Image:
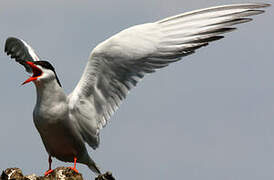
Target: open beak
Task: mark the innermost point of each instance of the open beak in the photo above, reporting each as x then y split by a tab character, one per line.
35	70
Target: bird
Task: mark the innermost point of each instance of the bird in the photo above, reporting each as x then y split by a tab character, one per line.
66	123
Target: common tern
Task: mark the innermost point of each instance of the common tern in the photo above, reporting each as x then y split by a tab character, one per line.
115	66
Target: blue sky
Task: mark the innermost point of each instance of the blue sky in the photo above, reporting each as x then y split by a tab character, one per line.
207	117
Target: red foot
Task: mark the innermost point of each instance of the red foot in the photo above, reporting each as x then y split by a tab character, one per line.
48	172
74	169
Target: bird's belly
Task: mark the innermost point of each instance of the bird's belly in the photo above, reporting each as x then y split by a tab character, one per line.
60	142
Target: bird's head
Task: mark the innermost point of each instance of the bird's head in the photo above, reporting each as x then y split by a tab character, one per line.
42	71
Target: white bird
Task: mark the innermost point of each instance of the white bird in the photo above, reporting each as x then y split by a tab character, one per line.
115	66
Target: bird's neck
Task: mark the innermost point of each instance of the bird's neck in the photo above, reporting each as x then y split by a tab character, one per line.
49	93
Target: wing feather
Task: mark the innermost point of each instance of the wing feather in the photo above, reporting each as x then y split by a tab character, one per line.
116	65
20	51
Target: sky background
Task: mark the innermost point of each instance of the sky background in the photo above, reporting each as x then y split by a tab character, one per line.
209	117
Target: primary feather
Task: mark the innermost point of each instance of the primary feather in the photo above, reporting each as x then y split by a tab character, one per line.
21	52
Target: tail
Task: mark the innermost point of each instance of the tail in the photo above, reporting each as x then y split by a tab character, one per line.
86	159
92	166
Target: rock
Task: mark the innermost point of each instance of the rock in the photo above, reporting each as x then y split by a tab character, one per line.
60	173
12	173
30	177
64	173
106	176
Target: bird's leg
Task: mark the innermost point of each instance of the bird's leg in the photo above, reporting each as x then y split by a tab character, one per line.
50	170
74	168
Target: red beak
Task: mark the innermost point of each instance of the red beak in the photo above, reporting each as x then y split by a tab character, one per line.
36	72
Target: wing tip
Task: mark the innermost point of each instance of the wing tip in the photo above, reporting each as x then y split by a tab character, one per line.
9	42
255	5
247	6
264	5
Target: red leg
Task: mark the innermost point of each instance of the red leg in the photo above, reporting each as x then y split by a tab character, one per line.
74	168
50	170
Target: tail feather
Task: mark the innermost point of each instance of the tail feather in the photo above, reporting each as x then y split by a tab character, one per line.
86	159
93	166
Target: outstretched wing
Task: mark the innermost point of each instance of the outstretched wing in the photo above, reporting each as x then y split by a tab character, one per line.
119	63
20	51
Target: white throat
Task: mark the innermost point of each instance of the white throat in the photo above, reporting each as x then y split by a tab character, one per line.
49	93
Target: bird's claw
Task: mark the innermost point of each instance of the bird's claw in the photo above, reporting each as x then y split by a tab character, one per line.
74	169
48	172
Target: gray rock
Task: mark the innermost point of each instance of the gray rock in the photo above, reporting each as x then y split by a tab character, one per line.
60	173
106	176
12	174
